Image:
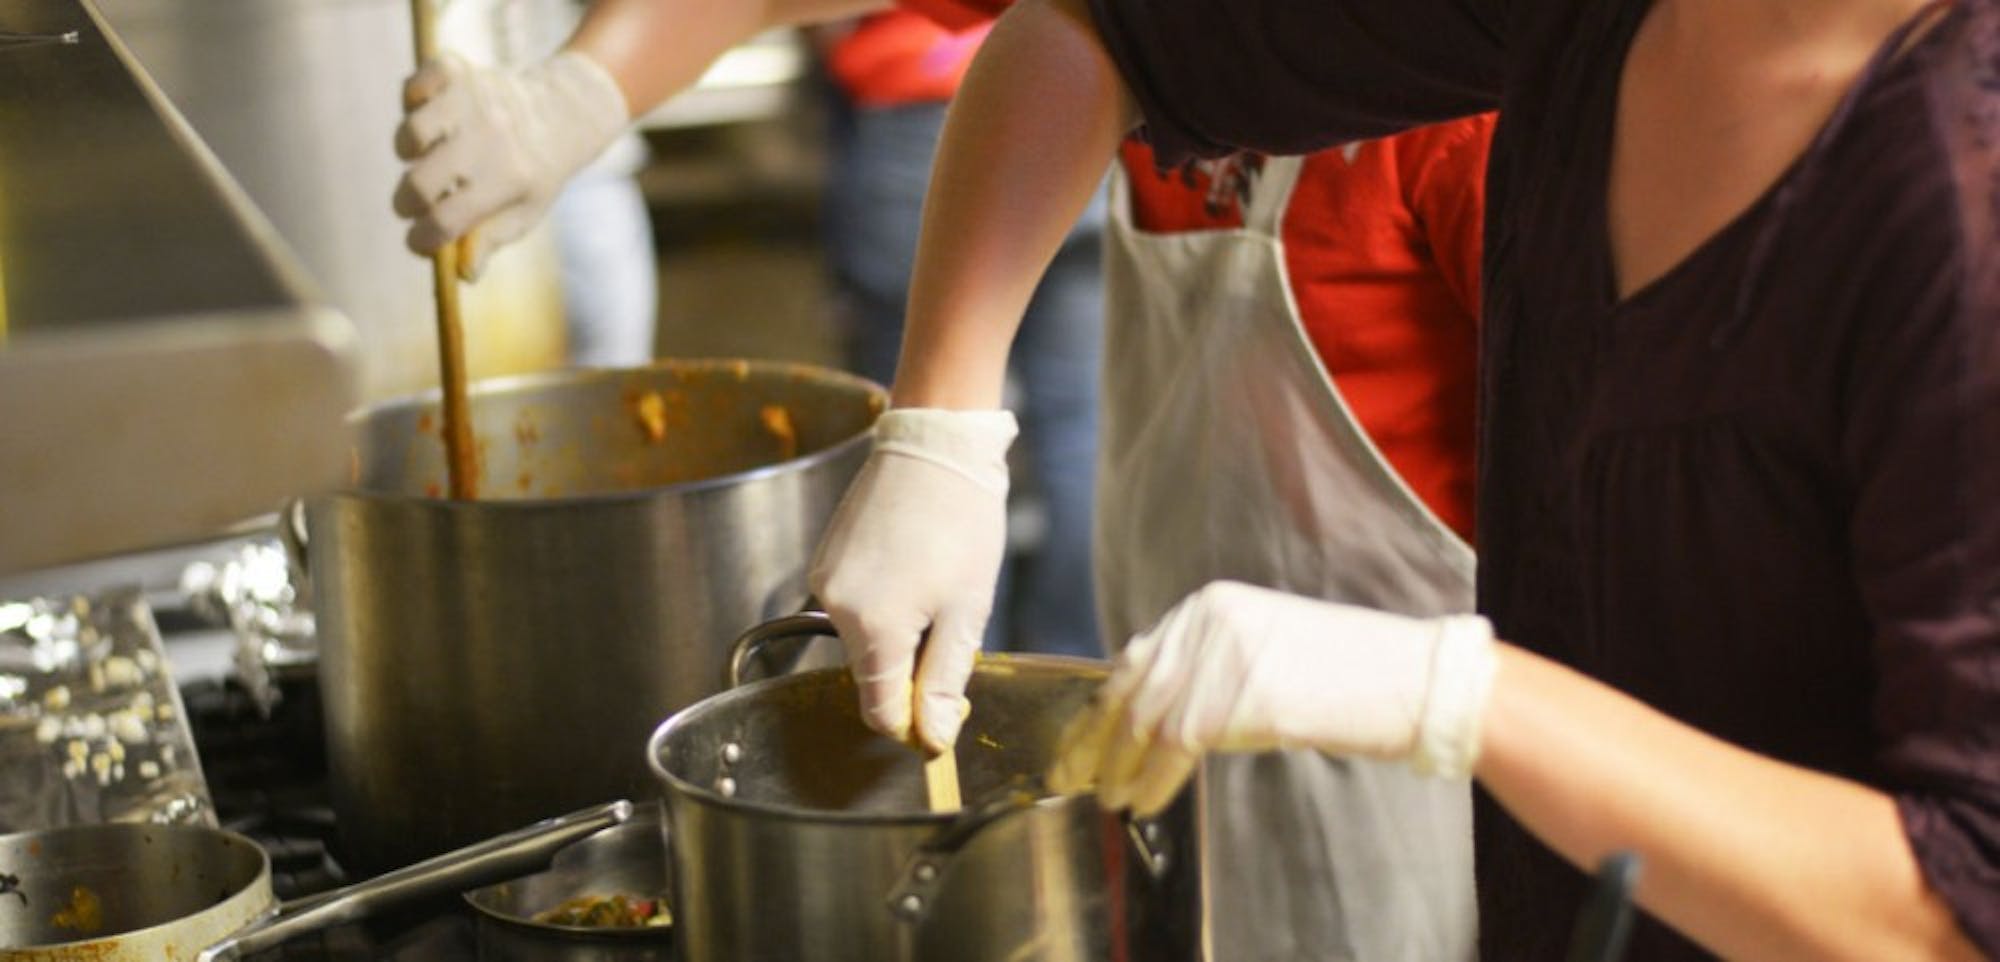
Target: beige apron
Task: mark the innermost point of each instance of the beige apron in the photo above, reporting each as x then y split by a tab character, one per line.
1226	452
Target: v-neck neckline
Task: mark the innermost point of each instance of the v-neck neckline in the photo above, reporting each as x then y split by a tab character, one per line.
1604	275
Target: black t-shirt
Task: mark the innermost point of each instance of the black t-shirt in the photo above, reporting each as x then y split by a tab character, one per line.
1761	494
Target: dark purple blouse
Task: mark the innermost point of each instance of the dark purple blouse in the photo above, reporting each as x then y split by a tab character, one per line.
1763	493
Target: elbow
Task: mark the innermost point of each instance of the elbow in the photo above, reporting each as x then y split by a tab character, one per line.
1933	935
1948	945
1923	931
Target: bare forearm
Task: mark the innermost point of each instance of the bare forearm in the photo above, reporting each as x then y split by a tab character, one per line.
657	48
1754	858
1027	142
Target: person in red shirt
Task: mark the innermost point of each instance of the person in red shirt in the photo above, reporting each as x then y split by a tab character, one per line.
1382	254
897	57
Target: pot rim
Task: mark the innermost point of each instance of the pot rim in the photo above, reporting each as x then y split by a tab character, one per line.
676	785
518	382
247	892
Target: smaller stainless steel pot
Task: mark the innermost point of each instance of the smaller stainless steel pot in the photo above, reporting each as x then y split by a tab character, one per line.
625	860
146	893
796	833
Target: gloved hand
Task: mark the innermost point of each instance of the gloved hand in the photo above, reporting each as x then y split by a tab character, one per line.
1244	669
915	546
490	148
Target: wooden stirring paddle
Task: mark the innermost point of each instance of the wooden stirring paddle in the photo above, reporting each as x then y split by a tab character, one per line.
941	769
461	462
941	782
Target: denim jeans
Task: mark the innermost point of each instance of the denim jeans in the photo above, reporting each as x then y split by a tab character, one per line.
604	241
881	161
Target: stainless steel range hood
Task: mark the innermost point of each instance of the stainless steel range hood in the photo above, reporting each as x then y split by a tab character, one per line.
165	369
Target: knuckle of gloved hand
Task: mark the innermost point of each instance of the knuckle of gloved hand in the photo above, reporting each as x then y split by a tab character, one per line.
822	575
407	201
968	630
883	658
941	714
844	584
876	662
1174	731
881	621
1224	608
1224	595
449	222
885	713
515	172
408	146
422	236
494	115
422	87
839	603
885	708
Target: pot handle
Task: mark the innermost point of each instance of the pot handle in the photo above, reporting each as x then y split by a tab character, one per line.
923	875
497	859
805	624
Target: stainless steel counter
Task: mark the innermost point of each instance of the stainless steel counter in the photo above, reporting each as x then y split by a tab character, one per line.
165	369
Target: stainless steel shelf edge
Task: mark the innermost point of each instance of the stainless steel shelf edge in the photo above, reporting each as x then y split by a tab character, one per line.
166	368
171	433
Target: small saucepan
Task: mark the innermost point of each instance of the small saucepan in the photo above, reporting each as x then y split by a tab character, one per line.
798	833
546	917
146	893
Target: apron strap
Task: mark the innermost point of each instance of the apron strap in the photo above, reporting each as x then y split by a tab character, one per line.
1271	195
1118	194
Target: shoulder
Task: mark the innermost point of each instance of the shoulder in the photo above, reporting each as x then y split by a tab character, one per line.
1909	167
1960	72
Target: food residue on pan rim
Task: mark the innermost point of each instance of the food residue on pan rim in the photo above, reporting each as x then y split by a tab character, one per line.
651	411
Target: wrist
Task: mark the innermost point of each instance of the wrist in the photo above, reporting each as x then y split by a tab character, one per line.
972	444
1464	661
914	390
587	93
952	360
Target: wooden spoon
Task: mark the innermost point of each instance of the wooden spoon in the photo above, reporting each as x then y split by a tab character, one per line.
461	462
941	782
941	769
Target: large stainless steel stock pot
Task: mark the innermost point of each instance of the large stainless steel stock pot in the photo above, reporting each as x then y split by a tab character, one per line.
489	662
796	833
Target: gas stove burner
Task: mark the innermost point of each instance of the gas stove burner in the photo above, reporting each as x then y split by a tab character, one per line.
266	768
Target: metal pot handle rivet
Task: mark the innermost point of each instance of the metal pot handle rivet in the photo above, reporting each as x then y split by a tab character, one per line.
911	900
1151	845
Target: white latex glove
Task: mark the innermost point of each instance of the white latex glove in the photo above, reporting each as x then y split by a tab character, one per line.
490	148
915	546
1238	668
